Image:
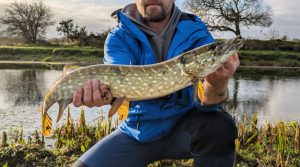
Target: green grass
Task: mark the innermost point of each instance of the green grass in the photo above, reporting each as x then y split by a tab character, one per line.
89	55
269	145
51	54
276	45
272	54
269	58
44	49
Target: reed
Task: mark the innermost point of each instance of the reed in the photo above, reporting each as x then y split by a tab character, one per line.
4	139
268	145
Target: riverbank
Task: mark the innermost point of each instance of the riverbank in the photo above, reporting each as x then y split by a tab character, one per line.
10	64
269	58
257	71
269	145
89	55
82	55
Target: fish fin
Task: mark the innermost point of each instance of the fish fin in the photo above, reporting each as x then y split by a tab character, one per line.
123	110
200	90
115	106
63	104
47	126
195	88
69	68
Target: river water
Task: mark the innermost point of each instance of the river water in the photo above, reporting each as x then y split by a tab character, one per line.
273	95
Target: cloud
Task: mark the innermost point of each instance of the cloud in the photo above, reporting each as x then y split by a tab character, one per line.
281	7
95	15
285	21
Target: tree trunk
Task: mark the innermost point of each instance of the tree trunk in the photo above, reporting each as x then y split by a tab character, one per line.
237	29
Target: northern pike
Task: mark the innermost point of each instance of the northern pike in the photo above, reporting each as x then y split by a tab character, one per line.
141	82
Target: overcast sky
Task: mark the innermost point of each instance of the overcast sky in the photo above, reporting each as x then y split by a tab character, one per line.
95	15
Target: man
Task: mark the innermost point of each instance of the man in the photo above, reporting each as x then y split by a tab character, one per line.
171	127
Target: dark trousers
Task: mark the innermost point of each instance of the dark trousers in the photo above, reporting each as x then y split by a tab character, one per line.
207	137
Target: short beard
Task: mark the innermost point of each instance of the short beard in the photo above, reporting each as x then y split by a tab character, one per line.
158	17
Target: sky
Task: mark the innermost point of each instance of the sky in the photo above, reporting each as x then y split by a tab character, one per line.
95	15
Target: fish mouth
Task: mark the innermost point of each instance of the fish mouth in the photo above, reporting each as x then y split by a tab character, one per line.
225	47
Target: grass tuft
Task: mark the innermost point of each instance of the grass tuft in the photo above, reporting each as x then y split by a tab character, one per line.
268	145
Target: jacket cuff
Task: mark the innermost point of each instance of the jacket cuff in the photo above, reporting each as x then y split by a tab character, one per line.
206	108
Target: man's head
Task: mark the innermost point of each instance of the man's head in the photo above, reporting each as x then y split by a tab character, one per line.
154	10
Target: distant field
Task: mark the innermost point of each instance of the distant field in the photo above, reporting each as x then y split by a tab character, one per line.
51	54
269	58
89	55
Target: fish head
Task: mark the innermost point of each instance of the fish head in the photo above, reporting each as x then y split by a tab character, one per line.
61	93
49	99
52	96
202	61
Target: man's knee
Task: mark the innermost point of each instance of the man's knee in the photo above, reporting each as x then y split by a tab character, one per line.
79	163
212	133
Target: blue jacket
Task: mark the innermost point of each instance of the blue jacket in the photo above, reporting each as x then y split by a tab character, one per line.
150	120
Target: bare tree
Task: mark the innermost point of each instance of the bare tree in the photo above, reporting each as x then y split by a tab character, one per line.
29	20
229	15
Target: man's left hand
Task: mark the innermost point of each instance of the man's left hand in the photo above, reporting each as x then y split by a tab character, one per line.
216	84
222	75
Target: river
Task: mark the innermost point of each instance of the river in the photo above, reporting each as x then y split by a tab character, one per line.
273	95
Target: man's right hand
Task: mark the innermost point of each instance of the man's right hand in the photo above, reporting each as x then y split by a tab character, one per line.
92	94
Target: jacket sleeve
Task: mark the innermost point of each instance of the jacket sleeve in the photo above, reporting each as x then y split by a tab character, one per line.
203	40
206	108
117	50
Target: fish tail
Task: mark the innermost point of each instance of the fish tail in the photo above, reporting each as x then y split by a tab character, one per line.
46	123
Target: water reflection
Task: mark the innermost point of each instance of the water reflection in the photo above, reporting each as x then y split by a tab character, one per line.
21	93
273	97
26	92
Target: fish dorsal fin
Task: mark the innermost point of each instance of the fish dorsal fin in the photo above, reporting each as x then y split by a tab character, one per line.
69	68
121	105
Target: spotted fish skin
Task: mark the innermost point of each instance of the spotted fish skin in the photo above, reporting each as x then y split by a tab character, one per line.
141	82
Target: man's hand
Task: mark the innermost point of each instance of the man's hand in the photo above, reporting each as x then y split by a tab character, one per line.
216	84
92	94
